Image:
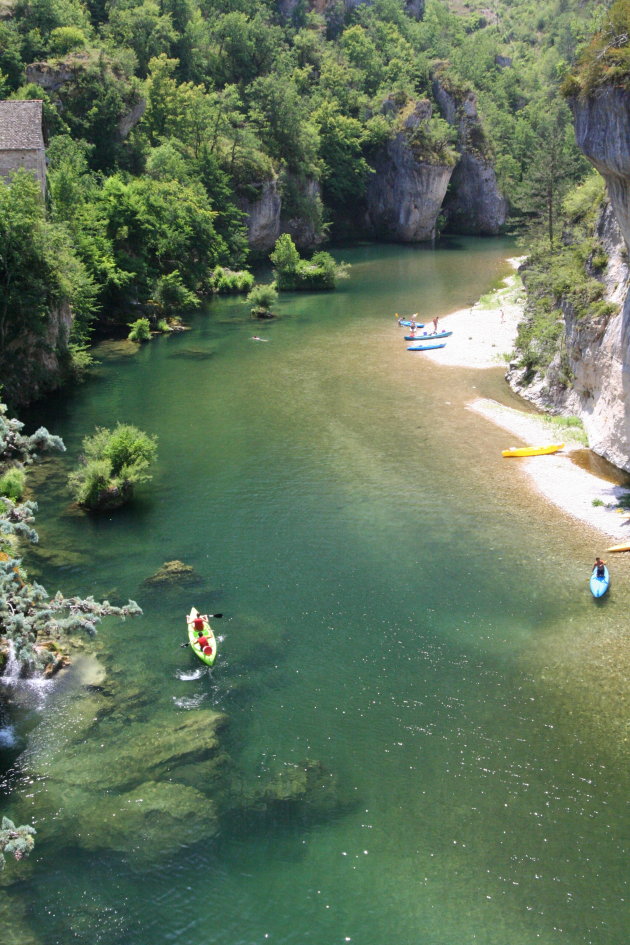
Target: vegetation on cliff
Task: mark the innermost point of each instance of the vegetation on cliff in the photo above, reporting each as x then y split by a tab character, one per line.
606	58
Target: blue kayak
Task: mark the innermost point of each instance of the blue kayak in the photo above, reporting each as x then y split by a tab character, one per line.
423	347
428	336
599	585
407	323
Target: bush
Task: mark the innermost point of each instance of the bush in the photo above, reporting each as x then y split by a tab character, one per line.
171	295
13	483
114	462
65	39
140	330
261	298
229	281
296	274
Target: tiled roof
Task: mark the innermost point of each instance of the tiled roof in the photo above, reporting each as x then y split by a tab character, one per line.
21	125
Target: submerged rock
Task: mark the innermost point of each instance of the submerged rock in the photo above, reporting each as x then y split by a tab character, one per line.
306	789
151	821
174	572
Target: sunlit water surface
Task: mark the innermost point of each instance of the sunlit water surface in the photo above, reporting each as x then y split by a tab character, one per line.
345	511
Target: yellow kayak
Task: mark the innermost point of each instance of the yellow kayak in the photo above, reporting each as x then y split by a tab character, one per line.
532	450
625	547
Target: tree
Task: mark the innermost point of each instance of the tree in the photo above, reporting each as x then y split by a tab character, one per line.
113	462
38	271
261	298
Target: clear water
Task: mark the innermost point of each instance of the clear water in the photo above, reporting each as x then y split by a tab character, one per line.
398	605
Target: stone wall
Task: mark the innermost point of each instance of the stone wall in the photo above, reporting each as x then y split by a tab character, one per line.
34	161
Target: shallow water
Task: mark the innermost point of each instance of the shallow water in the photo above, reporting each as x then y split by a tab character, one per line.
397	603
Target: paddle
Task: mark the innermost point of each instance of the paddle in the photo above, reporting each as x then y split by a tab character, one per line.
216	616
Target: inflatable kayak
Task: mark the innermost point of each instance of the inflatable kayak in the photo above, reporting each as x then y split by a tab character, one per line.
207	658
599	585
532	450
425	347
407	323
428	336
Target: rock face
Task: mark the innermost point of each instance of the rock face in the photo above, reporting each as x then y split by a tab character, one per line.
414	8
598	351
263	216
602	131
405	194
41	358
474	203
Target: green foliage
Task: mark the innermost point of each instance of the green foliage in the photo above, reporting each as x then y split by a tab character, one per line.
140	330
113	462
13	483
297	274
38	271
228	282
606	58
15	841
171	295
261	298
65	39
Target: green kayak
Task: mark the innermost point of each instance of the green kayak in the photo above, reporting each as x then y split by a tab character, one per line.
206	657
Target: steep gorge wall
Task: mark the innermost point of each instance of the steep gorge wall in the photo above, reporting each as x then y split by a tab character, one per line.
597	350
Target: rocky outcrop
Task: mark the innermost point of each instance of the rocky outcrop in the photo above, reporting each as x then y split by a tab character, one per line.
304	224
595	352
33	364
474	203
262	207
598	350
602	131
405	194
173	573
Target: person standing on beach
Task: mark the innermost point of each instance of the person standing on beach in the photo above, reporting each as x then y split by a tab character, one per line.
435	323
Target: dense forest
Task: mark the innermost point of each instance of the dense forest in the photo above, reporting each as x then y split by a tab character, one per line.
164	122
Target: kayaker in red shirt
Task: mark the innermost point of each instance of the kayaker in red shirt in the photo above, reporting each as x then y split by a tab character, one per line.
198	622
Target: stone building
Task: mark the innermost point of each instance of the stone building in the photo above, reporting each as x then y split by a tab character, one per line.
22	139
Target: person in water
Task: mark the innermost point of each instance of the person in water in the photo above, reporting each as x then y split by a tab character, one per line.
599	567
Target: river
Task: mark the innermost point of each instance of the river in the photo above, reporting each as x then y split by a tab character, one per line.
399	607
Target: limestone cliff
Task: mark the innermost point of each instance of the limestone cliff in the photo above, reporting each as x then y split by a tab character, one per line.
42	358
473	203
596	349
405	194
262	207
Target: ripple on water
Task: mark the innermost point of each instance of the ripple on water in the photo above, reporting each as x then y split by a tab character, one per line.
186	675
190	702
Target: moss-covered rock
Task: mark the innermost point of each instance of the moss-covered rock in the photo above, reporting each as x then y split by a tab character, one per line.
173	573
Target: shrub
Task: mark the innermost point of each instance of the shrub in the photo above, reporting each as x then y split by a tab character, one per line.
140	330
65	39
171	295
297	274
114	462
261	298
13	483
229	281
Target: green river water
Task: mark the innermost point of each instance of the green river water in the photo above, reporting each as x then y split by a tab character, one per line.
399	606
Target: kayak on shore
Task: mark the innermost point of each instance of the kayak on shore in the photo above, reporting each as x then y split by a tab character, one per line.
532	450
428	336
425	347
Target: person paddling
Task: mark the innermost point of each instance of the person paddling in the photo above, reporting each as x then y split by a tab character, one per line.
599	567
198	622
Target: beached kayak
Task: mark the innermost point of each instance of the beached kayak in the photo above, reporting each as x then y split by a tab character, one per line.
407	323
532	450
599	585
428	336
426	347
207	658
624	547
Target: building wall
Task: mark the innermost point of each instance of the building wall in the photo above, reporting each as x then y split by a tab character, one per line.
30	160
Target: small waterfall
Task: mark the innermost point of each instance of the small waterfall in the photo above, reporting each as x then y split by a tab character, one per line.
24	689
12	669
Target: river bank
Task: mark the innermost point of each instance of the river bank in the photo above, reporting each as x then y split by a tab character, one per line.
483	337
